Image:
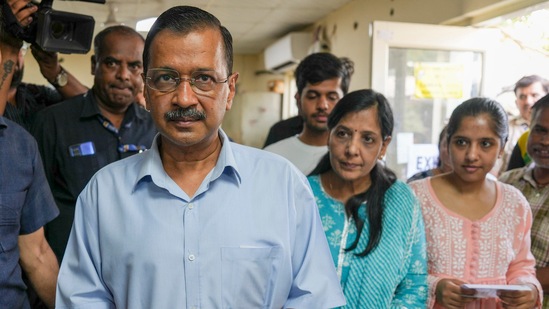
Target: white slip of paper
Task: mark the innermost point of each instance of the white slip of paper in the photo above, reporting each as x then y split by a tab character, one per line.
491	290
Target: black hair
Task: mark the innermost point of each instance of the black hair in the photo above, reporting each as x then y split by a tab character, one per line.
6	37
99	40
477	106
526	81
441	137
319	67
381	176
540	105
184	20
2	26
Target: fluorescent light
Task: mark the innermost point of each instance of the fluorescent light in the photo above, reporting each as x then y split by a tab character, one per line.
145	24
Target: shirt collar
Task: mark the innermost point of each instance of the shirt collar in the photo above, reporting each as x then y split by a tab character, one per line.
518	120
3	123
226	163
91	108
529	175
152	167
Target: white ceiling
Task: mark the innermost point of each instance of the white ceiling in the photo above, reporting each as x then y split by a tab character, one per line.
254	24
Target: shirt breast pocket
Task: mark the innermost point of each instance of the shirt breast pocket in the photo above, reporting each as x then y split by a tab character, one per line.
78	170
247	275
11	205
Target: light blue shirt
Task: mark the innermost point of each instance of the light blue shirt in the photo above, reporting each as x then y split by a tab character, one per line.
251	237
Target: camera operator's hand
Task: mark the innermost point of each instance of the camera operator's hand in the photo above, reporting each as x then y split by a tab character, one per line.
50	68
23	9
48	62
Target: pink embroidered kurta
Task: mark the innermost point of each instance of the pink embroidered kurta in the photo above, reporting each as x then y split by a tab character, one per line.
492	250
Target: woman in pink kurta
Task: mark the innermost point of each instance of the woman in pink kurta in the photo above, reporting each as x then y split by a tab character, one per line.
492	250
477	229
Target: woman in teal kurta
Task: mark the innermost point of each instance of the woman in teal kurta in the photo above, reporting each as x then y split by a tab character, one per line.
372	221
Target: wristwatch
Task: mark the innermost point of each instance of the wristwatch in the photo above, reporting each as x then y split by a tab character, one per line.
61	79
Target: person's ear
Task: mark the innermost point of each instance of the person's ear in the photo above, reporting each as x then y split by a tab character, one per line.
384	147
232	90
93	64
146	93
297	97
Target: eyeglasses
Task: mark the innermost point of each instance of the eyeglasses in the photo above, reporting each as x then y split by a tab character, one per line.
167	80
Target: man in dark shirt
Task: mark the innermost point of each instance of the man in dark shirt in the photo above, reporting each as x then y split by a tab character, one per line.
284	129
527	90
79	136
26	203
25	100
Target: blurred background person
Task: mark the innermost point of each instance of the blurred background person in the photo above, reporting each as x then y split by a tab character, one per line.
25	100
321	79
533	182
527	91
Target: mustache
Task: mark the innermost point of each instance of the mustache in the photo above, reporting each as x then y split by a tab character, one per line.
185	113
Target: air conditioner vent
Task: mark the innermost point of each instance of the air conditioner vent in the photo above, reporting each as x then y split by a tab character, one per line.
285	54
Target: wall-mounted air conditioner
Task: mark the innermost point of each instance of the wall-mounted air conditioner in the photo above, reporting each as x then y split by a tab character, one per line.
284	54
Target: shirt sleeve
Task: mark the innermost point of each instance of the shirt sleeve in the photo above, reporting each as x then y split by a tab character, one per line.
522	268
52	96
42	130
39	207
412	291
80	283
315	283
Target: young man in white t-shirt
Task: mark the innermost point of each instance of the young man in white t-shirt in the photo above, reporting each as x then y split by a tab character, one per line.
322	80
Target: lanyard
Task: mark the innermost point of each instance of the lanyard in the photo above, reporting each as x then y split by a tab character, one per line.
122	148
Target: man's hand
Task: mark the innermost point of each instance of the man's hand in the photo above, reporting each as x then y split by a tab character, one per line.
48	62
23	9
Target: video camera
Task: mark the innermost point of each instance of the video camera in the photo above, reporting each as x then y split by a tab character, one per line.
52	30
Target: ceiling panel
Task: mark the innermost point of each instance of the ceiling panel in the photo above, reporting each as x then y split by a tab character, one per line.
267	4
254	23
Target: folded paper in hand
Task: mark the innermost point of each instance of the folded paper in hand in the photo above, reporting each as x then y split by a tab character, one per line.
491	290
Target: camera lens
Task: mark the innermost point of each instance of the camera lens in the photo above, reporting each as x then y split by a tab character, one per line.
58	29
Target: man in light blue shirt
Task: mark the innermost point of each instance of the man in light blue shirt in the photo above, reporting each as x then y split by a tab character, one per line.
196	221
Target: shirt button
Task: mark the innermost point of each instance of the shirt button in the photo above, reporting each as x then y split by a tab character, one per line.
191	257
191	206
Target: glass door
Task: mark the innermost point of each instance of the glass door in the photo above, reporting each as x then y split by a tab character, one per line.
425	71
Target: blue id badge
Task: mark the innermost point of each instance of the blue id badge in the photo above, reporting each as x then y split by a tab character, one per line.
84	149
